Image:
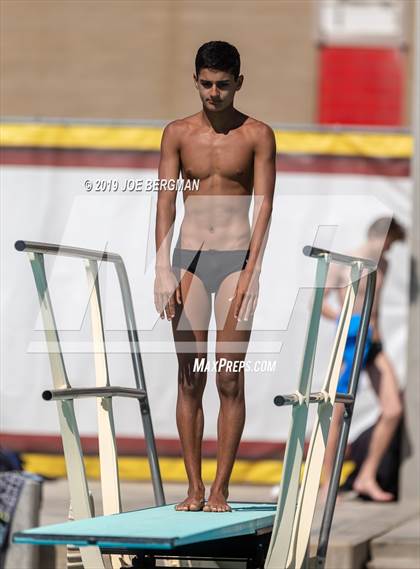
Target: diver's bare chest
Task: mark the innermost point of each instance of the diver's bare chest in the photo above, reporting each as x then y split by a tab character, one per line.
229	156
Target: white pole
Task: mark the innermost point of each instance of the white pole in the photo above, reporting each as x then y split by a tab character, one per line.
410	479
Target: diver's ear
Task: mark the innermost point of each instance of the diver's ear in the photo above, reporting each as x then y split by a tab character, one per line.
239	82
195	79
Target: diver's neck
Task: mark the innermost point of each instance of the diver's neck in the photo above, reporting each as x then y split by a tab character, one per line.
221	121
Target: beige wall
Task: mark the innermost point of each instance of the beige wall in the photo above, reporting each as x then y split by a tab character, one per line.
134	59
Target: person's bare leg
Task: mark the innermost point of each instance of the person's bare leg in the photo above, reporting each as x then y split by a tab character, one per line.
190	329
230	386
331	449
190	424
384	382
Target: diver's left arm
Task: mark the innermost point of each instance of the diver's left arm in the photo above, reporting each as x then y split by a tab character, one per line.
264	182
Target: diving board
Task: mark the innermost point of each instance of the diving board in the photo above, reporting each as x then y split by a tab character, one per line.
164	533
270	536
160	527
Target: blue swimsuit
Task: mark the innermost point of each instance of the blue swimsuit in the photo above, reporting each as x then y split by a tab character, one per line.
343	383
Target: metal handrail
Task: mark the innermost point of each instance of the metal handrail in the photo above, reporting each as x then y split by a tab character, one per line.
38	249
317	397
298	399
80	392
334	257
325	529
66	251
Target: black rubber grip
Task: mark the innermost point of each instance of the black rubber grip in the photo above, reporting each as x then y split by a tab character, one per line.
20	245
279	400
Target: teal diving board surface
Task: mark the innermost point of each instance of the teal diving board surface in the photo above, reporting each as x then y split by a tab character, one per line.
160	527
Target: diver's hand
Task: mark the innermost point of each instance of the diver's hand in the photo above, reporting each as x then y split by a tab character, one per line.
166	291
246	294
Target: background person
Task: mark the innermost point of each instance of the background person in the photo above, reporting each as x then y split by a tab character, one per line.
382	234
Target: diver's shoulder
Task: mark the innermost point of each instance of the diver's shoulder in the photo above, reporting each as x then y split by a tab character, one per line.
259	129
182	126
257	125
261	134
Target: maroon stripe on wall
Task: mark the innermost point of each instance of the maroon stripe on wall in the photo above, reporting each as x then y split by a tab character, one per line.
74	157
329	164
131	446
325	164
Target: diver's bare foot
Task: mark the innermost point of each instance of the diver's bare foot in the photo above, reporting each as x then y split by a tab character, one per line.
217	502
370	490
193	503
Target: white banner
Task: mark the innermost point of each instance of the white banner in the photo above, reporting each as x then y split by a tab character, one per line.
54	205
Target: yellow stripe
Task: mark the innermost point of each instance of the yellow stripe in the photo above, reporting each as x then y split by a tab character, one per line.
172	469
387	145
80	136
345	144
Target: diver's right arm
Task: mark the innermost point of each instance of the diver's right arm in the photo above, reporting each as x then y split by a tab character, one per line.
169	167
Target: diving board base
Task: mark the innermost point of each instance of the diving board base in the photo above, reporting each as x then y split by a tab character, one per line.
249	549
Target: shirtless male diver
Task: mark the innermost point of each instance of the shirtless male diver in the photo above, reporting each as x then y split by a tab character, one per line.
381	236
233	157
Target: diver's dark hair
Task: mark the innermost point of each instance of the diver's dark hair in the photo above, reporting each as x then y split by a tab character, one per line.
218	55
385	226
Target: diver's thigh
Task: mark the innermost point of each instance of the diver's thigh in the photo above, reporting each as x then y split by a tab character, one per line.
192	317
232	336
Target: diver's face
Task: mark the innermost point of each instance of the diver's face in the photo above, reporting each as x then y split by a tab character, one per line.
217	88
